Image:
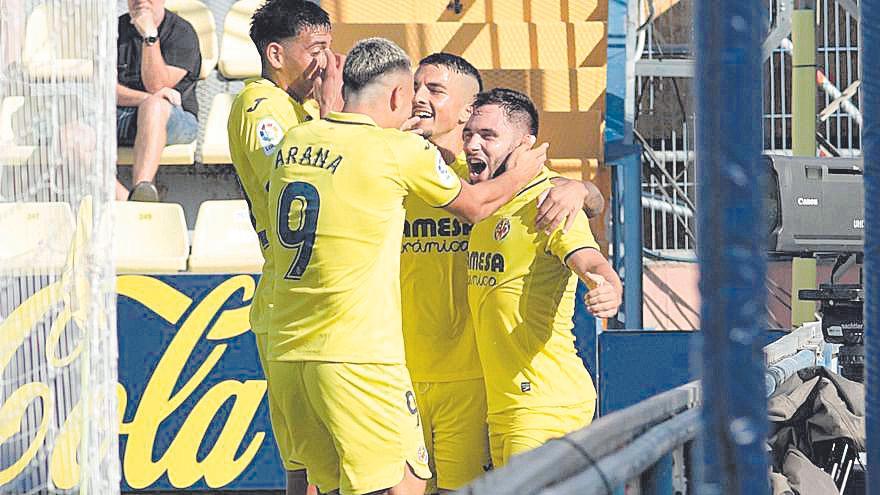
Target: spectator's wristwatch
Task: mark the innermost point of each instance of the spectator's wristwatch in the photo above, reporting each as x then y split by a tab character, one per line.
150	40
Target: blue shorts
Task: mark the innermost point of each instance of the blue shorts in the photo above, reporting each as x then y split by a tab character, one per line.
182	127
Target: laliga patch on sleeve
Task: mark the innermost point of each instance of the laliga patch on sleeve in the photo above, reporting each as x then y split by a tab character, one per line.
269	133
446	174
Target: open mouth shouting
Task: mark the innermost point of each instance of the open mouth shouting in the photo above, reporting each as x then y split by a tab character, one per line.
478	169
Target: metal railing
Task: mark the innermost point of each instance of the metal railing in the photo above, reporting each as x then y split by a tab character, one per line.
647	447
603	456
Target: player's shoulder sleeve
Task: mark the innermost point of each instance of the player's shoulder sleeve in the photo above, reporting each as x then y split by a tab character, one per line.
563	244
422	170
259	118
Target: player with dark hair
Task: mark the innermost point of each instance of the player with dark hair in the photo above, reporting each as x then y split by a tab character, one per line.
521	292
301	80
336	194
293	38
441	353
438	334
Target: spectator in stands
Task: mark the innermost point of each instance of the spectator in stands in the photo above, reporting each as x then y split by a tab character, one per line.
157	68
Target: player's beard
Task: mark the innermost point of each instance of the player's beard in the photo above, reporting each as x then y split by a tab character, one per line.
503	167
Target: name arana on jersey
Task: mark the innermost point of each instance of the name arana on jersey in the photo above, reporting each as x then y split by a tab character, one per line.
320	158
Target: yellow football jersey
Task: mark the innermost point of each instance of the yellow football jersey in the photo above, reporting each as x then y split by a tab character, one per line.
261	113
336	215
437	330
521	296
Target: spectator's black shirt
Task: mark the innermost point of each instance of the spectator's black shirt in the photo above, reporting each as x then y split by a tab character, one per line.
180	48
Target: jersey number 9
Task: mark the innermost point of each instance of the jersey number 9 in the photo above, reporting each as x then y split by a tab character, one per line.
297	222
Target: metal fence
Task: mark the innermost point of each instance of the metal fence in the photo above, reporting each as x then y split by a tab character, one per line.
665	116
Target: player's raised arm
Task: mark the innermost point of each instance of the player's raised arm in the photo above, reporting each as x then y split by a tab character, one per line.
478	201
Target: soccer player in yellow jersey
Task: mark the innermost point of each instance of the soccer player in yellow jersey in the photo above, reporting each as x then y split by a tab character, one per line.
441	353
336	223
299	75
521	290
438	335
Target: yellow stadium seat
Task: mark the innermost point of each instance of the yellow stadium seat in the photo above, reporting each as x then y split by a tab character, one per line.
472	11
176	154
590	40
55	46
571	134
554	90
149	237
10	152
215	147
202	20
239	58
346	36
359	11
505	45
224	240
420	39
40	237
569	11
575	168
422	11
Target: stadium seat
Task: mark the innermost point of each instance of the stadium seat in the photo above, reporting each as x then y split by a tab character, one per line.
202	21
508	45
149	237
402	11
176	154
472	11
554	90
11	153
572	134
49	228
575	168
54	46
239	58
215	147
224	240
572	11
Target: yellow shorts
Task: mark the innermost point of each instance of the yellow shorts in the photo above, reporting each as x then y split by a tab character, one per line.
522	430
354	426
456	434
279	426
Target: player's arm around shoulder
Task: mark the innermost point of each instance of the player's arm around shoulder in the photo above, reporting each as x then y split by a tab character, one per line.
580	252
421	169
560	203
478	201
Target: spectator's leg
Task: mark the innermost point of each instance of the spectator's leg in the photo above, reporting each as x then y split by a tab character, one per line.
121	191
152	118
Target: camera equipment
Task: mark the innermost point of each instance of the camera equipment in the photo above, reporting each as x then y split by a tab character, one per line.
842	319
814	204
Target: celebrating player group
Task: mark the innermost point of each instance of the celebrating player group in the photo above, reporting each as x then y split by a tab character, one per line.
414	314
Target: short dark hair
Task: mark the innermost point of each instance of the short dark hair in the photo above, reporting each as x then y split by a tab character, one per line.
516	106
454	63
280	19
